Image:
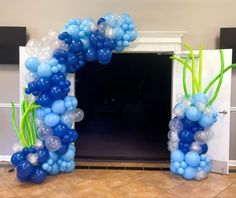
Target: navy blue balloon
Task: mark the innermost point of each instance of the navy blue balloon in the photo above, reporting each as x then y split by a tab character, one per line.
91	55
184	147
56	92
186	136
44	83
58	78
204	148
62	150
22	178
24	168
45	100
101	20
66	139
188	124
26	151
61	55
32	86
17	157
75	46
63	36
38	176
60	130
42	156
73	135
72	59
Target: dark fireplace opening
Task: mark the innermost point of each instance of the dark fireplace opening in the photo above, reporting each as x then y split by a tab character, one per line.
127	106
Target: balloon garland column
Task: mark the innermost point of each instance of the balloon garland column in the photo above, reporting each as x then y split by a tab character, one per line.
190	129
48	112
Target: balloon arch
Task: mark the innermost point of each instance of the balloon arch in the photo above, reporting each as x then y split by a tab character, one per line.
47	112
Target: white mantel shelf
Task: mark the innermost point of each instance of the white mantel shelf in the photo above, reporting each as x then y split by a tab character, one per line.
157	41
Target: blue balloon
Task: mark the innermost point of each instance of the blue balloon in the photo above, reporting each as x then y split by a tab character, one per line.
68	156
42	156
186	136
22	178
55	169
58	77
62	150
71	167
66	139
32	64
173	169
60	130
188	124
38	176
52	119
73	135
177	156
45	100
192	159
44	83
58	107
204	148
24	168
104	54
189	173
91	55
206	121
53	156
56	92
193	114
184	147
16	158
180	171
73	30
44	70
75	46
199	98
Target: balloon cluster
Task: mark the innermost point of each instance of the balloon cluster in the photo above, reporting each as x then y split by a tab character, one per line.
28	162
188	136
48	63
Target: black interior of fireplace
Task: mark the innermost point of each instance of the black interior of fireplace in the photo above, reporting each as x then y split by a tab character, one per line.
127	106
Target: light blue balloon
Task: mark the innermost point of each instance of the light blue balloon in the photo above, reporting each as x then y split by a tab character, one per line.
45	166
62	169
192	159
118	33
207	169
44	70
53	62
55	169
183	164
73	30
203	157
206	121
193	113
180	171
199	98
189	173
71	167
32	64
63	164
176	165
53	156
50	162
67	121
177	156
173	169
58	107
52	119
72	147
68	156
59	161
202	164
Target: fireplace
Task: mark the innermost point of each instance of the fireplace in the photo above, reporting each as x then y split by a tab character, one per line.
127	103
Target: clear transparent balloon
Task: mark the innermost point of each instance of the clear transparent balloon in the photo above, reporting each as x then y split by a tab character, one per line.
53	143
203	136
176	123
44	132
196	147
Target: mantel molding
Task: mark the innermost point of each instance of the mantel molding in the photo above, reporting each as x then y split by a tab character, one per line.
157	41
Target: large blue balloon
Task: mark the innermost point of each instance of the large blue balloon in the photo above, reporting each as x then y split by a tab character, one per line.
192	159
184	147
189	173
17	157
58	107
32	64
24	168
177	156
193	113
60	130
38	176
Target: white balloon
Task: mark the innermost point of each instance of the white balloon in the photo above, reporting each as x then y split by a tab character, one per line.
53	143
196	147
176	123
17	147
78	115
30	76
203	136
173	135
44	132
38	144
33	158
200	175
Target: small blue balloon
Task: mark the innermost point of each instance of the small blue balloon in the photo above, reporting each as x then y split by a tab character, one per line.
192	159
177	156
60	130
180	171
199	98
44	83
91	55
68	156
53	156
184	147
204	148
58	107
32	64
54	170
52	119
62	150
42	156
22	178
188	124
45	100
56	92
38	176
71	167
186	136
173	169
189	173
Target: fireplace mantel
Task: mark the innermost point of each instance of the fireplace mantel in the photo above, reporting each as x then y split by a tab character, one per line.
157	41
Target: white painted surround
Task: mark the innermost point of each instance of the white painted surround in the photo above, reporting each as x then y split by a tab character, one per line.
147	41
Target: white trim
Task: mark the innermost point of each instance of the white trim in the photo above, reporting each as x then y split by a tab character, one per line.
232	162
7	105
6	158
233	109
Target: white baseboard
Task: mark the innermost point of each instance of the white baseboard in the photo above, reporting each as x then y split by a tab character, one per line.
232	162
6	158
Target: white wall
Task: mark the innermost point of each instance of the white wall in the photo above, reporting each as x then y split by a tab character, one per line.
201	19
